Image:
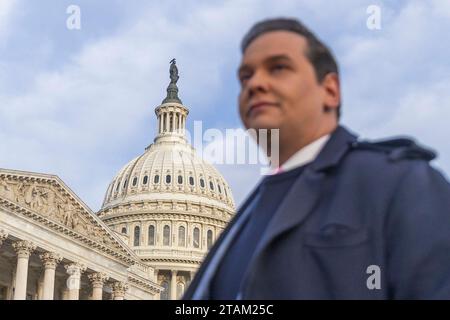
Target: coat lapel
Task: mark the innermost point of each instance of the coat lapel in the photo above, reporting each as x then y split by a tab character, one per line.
306	191
298	203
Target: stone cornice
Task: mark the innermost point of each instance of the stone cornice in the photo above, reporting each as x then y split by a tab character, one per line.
184	208
187	217
144	284
197	261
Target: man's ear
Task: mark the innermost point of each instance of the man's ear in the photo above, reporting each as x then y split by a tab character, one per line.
332	91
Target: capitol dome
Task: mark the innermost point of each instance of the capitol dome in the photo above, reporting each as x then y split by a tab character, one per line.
168	204
169	169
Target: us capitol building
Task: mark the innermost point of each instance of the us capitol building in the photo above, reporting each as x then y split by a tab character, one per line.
160	215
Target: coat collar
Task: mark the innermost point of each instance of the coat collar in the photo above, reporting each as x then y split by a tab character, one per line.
336	147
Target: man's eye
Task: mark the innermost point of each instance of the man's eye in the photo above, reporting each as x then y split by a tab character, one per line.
279	67
244	77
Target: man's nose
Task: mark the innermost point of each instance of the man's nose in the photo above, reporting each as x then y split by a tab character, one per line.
258	83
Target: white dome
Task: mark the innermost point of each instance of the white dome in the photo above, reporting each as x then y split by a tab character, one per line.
169	170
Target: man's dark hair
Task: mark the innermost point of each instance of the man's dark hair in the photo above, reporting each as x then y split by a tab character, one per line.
318	54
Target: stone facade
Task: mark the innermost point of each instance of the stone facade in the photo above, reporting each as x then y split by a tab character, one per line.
54	247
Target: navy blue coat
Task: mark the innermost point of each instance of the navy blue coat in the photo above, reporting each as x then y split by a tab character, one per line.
357	204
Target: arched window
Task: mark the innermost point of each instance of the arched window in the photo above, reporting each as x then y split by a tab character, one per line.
151	235
180	179
137	236
202	183
225	190
196	238
168	178
156	179
125	183
124	230
135	179
165	294
118	186
209	239
220	189
180	290
145	180
166	236
181	236
211	185
191	181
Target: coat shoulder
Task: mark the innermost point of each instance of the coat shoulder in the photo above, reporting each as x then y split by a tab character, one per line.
395	150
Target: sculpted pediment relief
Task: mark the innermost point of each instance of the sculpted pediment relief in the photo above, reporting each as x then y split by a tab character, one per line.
51	199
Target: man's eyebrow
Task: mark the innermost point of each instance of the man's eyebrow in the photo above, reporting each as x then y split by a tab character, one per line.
270	59
277	58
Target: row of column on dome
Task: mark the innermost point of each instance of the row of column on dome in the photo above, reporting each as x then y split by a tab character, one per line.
28	272
167	238
171	122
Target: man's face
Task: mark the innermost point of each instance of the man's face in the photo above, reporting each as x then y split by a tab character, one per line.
279	88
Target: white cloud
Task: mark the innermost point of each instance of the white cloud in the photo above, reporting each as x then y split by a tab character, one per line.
393	78
7	10
422	113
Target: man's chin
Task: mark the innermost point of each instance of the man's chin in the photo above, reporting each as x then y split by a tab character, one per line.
261	125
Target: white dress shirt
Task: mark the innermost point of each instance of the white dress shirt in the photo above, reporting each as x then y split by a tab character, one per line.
303	156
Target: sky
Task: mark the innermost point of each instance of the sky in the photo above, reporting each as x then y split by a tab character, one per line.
79	103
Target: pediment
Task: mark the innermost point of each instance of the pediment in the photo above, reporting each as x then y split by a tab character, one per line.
49	201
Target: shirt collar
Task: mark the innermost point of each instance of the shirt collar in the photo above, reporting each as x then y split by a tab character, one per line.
305	155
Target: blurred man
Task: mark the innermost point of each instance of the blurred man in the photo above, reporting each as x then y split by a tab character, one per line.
341	218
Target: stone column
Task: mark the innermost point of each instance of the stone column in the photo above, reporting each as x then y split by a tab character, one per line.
23	250
119	289
173	286
174	121
74	270
97	279
3	236
40	286
167	121
65	294
50	261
